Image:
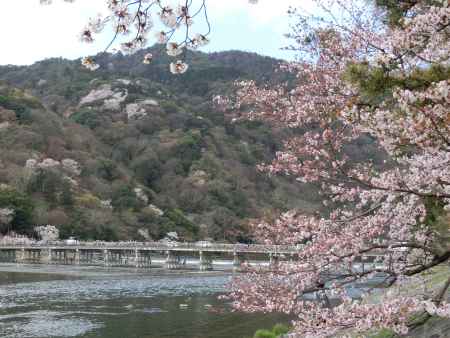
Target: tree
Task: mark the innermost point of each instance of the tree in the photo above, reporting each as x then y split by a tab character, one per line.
379	70
16	211
6	216
134	18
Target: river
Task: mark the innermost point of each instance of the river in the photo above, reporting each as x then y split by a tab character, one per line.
65	301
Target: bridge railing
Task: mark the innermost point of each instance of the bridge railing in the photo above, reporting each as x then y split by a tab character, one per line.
160	245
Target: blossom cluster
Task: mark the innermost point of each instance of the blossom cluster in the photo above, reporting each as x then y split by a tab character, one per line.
133	23
378	208
47	233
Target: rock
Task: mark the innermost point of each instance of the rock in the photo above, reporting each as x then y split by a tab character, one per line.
111	99
116	99
49	163
72	166
101	93
134	111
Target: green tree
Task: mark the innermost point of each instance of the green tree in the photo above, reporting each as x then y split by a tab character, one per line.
277	331
23	207
124	197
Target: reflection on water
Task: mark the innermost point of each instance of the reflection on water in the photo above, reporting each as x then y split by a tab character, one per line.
119	304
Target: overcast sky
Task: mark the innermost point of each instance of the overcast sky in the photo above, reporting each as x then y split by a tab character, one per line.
31	32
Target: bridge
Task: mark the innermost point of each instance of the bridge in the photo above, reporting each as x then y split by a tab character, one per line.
171	255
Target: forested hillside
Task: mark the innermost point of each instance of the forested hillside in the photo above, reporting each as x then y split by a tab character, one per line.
132	151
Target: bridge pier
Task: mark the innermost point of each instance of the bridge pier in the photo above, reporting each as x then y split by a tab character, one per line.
88	257
205	262
273	260
172	261
114	258
118	258
30	256
77	257
236	262
137	259
142	259
146	259
46	256
106	258
20	255
8	256
61	257
69	257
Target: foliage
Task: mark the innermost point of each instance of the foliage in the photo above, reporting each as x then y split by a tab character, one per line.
22	205
23	113
277	331
179	220
87	117
384	333
124	197
184	153
52	185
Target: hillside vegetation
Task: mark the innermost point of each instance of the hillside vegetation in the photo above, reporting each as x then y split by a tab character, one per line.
132	152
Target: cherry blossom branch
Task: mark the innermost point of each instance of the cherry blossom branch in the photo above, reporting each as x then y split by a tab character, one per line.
126	16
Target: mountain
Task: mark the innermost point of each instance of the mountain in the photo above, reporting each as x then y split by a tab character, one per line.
132	152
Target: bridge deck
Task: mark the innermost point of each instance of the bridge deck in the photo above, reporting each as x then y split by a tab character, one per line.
180	247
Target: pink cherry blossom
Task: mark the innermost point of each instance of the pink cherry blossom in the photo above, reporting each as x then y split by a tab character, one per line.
378	208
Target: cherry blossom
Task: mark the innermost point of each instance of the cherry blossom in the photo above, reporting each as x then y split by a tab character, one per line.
148	58
47	232
133	25
178	67
382	208
89	63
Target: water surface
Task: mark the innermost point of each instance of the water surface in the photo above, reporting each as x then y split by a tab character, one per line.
118	303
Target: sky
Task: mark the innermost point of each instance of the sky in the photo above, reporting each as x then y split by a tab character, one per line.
32	32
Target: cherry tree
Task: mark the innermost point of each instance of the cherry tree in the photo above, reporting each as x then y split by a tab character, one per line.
376	71
47	233
133	26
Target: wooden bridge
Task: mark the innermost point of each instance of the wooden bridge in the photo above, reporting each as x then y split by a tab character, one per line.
171	255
